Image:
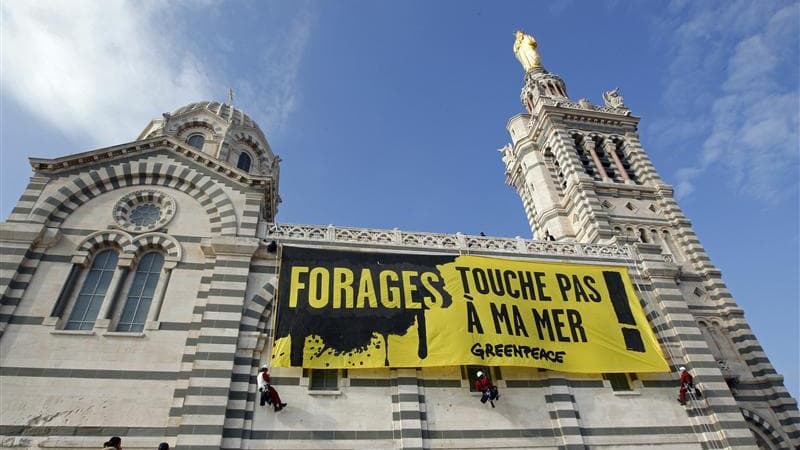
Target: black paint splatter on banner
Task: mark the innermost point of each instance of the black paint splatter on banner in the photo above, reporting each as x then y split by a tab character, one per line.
352	330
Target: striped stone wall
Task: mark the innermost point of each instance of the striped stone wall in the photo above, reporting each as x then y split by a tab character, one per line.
209	381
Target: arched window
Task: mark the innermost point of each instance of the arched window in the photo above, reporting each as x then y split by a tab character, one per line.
94	288
196	141
140	295
244	162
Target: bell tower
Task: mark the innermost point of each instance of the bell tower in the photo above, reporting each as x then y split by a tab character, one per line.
574	164
583	176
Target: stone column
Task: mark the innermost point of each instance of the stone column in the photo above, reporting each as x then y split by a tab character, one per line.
589	144
406	409
158	295
563	411
611	148
252	351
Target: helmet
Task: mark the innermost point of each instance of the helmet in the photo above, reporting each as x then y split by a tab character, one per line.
682	369
265	366
479	374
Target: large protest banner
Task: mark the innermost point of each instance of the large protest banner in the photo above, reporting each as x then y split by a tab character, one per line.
348	309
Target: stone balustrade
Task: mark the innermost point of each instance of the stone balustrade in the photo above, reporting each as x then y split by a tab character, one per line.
458	241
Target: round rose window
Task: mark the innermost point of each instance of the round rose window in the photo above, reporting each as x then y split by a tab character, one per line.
143	211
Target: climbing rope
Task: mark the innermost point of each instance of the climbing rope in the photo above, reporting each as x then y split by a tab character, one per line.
633	260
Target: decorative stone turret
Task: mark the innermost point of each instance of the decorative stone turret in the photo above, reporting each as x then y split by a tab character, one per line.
542	84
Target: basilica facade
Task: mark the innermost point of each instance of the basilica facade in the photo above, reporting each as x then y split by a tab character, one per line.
138	286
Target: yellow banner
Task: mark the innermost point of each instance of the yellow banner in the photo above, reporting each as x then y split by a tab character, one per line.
340	309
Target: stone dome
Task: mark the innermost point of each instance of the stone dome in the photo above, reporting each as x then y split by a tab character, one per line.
224	111
219	130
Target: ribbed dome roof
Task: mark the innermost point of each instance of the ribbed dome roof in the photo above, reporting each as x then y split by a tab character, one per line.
224	111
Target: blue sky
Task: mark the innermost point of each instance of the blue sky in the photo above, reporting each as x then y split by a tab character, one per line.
389	114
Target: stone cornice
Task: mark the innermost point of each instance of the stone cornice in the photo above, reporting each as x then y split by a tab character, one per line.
586	111
77	160
567	117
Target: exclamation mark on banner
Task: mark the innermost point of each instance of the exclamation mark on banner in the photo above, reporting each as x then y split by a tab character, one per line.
616	289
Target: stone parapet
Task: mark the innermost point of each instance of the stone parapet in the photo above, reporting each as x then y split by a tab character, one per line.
458	242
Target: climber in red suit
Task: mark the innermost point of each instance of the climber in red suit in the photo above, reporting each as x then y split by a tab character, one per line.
686	384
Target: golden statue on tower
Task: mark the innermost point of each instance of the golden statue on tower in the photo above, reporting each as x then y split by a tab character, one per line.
526	52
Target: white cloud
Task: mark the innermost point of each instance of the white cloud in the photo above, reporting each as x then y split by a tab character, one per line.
101	70
753	115
751	65
684	185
